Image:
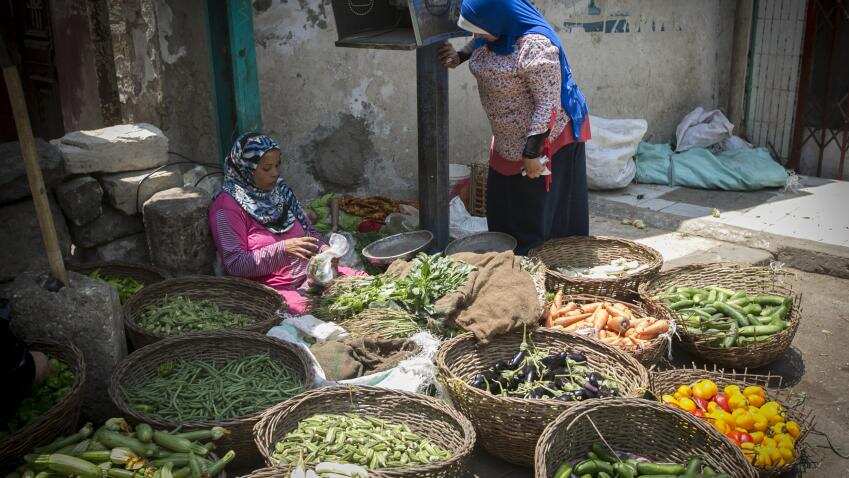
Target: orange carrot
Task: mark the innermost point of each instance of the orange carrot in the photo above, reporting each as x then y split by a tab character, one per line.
617	324
571	306
590	307
600	318
653	330
558	299
568	320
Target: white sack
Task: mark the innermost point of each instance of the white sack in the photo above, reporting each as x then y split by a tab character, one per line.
610	152
701	129
461	223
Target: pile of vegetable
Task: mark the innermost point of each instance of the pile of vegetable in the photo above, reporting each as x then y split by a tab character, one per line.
354	439
747	417
320	207
42	398
189	390
375	208
428	279
611	322
126	286
177	314
601	463
615	269
728	318
116	450
538	374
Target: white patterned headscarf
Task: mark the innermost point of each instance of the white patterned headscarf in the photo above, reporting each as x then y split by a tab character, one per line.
278	208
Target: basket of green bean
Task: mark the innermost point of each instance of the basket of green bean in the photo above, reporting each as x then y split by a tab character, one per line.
207	379
392	434
734	315
198	304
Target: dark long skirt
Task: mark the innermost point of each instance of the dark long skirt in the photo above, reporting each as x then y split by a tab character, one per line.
523	208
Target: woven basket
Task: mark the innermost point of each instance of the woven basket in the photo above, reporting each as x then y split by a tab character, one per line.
255	300
509	427
740	277
590	251
145	274
215	347
62	418
656	349
477	189
426	416
667	381
642	427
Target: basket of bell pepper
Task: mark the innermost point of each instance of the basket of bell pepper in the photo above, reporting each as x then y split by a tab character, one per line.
750	410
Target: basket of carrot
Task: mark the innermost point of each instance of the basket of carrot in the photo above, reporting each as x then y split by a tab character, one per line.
752	411
734	315
627	325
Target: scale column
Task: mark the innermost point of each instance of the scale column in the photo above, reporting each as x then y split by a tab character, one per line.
432	101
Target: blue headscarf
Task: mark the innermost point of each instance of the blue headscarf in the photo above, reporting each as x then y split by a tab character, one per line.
511	19
276	209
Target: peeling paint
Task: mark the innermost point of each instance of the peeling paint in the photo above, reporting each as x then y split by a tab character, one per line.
165	18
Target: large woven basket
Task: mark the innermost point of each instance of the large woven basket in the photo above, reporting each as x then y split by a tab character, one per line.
590	251
426	416
657	348
62	417
255	300
143	273
739	277
214	347
509	427
642	427
667	381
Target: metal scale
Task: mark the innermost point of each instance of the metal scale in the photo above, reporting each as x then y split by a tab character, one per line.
420	25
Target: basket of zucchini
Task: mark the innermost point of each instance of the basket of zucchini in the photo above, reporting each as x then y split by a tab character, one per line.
127	278
53	406
753	411
633	438
733	315
513	386
210	379
392	434
198	304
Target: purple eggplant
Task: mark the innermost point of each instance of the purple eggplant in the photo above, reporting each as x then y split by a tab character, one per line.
517	360
479	381
591	389
595	378
577	357
500	366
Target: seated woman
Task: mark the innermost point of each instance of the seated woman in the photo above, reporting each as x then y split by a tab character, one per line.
258	225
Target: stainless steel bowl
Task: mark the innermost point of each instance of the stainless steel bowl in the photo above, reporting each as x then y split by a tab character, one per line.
406	245
482	242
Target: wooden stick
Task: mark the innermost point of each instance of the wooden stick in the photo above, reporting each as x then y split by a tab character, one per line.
30	155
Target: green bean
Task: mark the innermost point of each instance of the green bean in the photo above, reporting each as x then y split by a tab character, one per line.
177	314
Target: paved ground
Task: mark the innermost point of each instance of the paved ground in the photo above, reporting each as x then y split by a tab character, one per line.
817	365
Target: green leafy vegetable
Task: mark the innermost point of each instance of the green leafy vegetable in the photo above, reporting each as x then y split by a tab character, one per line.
126	286
42	397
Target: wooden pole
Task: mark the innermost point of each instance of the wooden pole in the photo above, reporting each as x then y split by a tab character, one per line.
30	155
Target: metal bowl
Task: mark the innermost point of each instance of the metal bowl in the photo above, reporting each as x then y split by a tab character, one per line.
482	242
404	246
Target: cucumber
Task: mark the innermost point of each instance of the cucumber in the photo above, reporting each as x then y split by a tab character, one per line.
69	465
144	432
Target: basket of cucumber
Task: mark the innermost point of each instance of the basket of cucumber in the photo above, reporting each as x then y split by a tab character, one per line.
733	315
635	437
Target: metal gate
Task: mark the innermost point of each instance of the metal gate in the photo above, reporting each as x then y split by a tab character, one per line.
821	132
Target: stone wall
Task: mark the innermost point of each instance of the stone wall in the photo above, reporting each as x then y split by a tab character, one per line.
347	117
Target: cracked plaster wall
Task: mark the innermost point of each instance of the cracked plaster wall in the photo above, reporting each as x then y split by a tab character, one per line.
652	59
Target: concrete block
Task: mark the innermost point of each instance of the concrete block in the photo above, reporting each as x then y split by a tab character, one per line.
21	238
202	178
13	175
111	225
127	249
177	228
87	314
120	148
128	191
80	199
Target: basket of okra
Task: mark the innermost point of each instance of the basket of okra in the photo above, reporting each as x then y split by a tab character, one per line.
734	315
390	433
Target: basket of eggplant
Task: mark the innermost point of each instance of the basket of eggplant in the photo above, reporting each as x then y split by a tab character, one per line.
513	386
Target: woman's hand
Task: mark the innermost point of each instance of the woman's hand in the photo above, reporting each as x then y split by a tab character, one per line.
303	247
449	56
533	169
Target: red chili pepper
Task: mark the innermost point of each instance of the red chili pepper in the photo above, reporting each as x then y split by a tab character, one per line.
722	400
369	225
698	413
746	438
701	403
734	436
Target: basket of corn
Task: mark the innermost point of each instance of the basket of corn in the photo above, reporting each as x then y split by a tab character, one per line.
126	277
752	411
635	437
734	315
513	386
52	406
391	434
197	304
207	379
603	266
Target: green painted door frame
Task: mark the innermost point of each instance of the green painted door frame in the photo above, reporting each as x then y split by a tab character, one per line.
233	57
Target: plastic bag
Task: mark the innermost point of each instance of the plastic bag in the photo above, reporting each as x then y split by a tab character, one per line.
351	258
701	129
462	223
320	270
610	152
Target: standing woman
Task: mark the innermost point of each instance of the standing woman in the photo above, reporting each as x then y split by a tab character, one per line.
536	111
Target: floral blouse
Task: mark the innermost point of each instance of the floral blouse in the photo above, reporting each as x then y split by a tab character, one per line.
519	91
